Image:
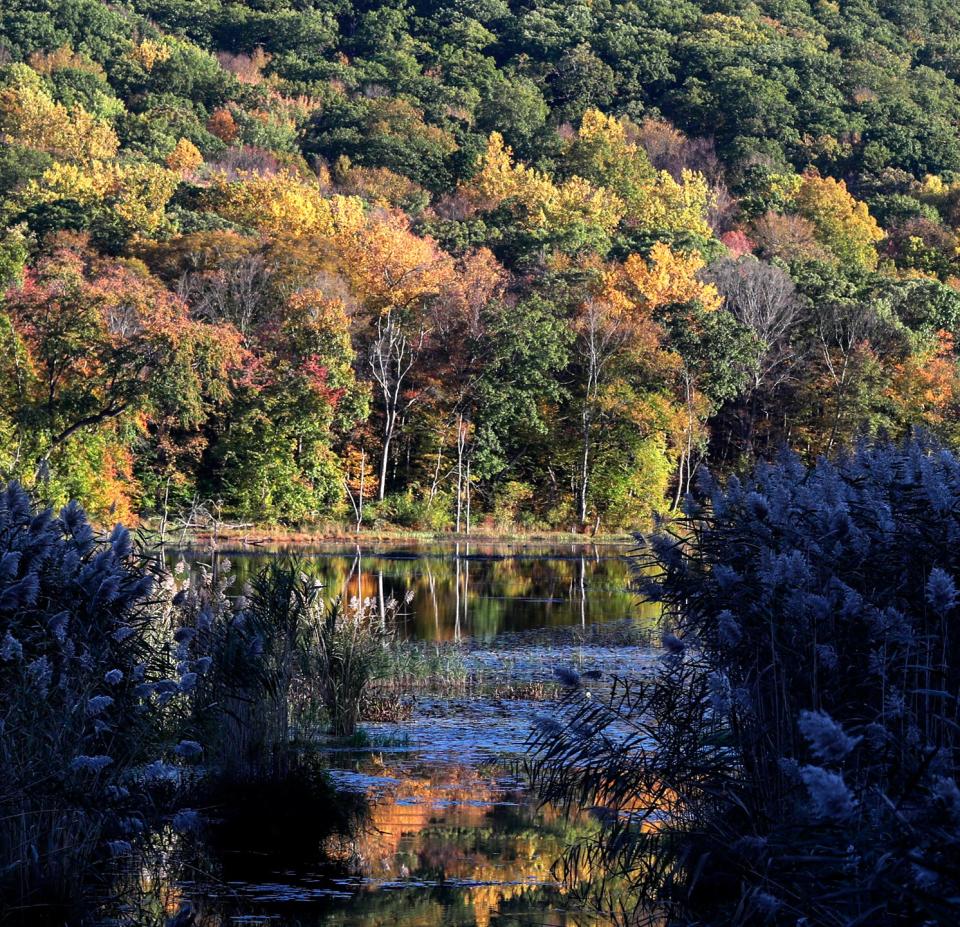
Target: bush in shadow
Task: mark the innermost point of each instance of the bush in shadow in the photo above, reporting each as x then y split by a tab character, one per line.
794	760
123	698
88	696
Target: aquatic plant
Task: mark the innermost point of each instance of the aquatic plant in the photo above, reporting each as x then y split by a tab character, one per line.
348	650
251	683
795	757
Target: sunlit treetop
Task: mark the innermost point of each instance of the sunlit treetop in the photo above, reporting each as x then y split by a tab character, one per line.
29	116
283	204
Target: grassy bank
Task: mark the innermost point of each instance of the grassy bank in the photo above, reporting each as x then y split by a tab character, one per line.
284	536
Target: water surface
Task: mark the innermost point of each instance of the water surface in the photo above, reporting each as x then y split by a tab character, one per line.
452	837
468	589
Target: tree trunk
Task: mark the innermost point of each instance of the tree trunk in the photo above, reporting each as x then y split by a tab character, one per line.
385	458
584	470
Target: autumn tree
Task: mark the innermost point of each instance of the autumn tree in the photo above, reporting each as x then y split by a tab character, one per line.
395	276
283	205
842	223
101	345
624	368
30	117
276	459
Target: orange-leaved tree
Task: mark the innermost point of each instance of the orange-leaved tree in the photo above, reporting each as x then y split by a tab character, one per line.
101	346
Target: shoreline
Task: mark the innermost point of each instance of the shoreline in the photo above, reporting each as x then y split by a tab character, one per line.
263	536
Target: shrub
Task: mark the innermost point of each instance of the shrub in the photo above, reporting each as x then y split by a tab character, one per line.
281	658
245	707
348	651
86	693
795	758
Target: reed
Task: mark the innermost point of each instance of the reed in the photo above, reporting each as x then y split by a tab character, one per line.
794	759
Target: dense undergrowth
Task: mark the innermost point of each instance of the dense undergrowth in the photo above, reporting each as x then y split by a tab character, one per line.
129	694
795	759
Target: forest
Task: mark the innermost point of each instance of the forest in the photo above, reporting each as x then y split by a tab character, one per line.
423	307
437	265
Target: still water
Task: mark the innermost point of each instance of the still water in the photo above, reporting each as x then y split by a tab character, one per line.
451	837
468	590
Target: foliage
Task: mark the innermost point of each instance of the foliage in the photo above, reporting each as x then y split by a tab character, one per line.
795	756
462	184
88	340
87	696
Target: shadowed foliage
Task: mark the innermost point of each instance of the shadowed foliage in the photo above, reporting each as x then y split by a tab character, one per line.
794	759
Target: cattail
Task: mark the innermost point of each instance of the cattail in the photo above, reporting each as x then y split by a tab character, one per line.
120	847
674	644
21	594
728	629
186	820
827	657
941	593
567	676
158	771
547	725
39	672
766	903
9	564
98	704
946	793
58	625
188	749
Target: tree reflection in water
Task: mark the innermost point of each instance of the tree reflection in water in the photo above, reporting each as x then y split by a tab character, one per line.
470	589
453	845
450	837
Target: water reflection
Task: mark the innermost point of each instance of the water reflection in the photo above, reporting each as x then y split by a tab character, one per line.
442	846
473	590
451	838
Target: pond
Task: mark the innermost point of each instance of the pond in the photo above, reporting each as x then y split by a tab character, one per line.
450	835
468	589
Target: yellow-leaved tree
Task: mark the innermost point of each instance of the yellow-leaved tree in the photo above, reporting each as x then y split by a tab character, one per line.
667	277
395	277
542	203
605	153
135	192
283	205
29	116
185	157
842	223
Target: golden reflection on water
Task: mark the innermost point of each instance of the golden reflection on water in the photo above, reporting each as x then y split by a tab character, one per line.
457	827
452	846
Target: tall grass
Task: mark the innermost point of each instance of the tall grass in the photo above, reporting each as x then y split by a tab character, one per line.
285	662
795	758
122	686
349	649
87	697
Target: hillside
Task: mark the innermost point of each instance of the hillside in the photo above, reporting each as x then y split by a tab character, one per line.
540	262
